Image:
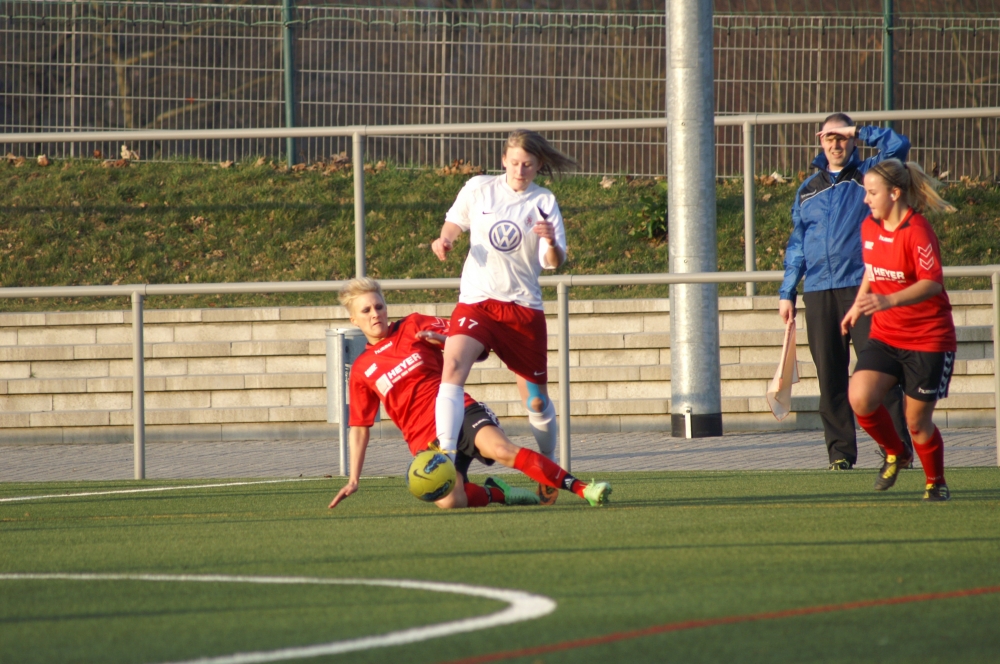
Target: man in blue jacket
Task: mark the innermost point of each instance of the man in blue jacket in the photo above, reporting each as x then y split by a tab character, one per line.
825	248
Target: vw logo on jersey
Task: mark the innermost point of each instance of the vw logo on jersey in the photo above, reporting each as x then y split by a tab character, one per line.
505	236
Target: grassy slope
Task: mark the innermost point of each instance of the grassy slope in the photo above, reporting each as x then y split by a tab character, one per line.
78	223
671	547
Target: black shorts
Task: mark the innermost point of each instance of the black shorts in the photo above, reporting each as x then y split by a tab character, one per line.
477	416
924	376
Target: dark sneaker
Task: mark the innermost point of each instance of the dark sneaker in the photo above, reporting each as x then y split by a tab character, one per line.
907	451
841	464
547	494
937	493
890	471
512	495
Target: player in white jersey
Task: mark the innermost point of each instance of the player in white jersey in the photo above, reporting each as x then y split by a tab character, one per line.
515	231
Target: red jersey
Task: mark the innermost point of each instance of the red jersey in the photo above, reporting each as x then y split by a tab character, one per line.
404	373
896	260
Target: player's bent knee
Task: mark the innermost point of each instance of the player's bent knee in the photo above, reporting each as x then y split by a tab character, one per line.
537	400
861	403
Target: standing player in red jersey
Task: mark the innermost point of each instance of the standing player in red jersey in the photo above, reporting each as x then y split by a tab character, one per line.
515	231
401	368
912	334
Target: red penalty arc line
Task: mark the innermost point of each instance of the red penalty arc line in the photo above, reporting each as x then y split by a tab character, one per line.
727	620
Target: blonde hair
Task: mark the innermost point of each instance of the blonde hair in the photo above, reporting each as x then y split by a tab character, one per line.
536	145
355	288
919	189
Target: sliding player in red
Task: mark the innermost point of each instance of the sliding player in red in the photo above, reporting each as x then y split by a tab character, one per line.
912	333
401	368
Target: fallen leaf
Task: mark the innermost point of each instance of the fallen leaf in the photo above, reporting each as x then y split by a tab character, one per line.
225	164
97	154
766	197
43	160
129	155
607	182
260	161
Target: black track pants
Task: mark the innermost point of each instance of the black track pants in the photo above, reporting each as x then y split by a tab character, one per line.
831	353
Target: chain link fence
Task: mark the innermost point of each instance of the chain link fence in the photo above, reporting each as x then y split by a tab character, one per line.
169	65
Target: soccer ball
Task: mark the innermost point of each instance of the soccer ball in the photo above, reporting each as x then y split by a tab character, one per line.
431	476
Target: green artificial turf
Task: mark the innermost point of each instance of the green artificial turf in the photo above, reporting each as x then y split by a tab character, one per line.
670	548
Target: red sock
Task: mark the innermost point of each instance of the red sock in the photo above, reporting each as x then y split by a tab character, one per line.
480	496
931	455
547	472
879	426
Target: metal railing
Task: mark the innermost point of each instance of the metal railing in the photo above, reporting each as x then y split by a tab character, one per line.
562	283
359	132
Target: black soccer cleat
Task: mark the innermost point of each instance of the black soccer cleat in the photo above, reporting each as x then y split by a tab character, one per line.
841	464
937	493
890	471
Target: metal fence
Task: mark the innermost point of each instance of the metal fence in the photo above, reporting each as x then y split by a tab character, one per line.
169	65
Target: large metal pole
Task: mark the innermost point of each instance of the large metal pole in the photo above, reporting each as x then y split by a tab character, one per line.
564	404
888	80
749	234
138	389
288	52
996	357
358	164
694	314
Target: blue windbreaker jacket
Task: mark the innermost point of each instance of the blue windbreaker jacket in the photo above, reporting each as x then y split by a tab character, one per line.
825	244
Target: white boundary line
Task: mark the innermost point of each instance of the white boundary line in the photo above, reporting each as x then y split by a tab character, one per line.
158	488
521	606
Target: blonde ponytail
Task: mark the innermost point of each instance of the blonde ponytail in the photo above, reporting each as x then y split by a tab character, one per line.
919	190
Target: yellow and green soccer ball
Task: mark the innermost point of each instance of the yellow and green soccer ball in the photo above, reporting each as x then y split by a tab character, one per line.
431	476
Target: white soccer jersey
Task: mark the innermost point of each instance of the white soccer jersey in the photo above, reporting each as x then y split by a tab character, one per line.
505	256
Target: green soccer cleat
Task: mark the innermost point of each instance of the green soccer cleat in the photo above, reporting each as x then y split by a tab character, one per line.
597	493
890	471
512	495
937	493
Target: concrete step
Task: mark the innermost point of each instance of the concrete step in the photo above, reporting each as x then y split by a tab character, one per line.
61	371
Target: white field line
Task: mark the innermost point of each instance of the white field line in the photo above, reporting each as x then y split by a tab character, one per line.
159	488
521	606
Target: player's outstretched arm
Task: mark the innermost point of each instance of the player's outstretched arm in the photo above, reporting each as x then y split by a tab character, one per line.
358	440
445	243
432	337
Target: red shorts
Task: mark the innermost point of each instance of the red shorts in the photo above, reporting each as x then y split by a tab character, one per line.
516	334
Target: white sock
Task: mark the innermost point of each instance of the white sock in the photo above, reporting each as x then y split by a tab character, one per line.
545	427
449	411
